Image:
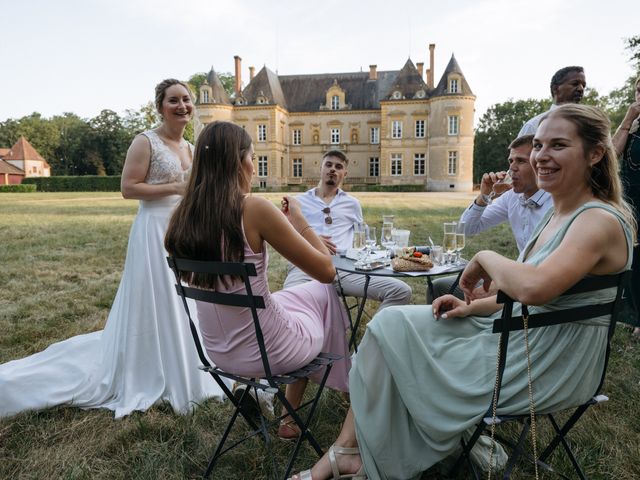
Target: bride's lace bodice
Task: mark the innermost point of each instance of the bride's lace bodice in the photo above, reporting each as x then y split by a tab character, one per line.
165	166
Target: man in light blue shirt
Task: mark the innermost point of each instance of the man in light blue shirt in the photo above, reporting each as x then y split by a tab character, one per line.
523	206
331	212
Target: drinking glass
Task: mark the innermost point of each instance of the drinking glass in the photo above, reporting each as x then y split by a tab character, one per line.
501	186
460	241
449	242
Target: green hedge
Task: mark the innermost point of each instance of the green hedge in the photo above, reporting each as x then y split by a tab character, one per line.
18	188
347	187
387	188
84	183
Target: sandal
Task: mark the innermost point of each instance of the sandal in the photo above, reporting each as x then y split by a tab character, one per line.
359	475
289	430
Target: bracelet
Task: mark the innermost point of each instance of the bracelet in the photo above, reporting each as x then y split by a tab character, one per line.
304	230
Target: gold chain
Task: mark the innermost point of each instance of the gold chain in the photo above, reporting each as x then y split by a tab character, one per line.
532	412
494	408
494	405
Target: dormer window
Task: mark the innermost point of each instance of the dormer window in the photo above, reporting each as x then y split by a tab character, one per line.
453	85
335	98
420	94
240	101
261	100
397	95
205	97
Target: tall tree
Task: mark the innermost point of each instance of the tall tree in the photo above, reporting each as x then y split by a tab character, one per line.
110	140
498	126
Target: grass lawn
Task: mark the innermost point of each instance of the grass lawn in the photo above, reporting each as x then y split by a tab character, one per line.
62	255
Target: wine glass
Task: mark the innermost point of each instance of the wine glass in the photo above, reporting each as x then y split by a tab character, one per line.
460	241
449	242
501	186
370	241
386	236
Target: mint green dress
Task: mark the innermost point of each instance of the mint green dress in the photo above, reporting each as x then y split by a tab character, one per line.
417	384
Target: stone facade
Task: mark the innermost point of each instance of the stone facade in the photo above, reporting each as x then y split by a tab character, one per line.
395	127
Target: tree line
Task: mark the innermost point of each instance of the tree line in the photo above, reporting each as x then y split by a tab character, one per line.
501	122
96	146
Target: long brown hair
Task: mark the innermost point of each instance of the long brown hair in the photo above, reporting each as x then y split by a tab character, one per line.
594	129
206	225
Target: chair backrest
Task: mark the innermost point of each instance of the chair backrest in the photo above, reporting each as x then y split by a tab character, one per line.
243	271
508	323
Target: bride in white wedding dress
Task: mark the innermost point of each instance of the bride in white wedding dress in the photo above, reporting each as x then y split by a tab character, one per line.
145	353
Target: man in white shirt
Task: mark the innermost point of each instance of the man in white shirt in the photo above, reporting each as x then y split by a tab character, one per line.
331	212
567	86
523	206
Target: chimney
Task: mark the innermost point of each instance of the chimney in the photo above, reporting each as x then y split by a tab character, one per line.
252	73
420	67
238	74
432	47
373	72
428	76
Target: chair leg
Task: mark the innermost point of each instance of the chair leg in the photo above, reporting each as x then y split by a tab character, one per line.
466	449
516	452
560	436
305	433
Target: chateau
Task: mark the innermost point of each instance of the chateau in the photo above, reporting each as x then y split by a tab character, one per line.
396	127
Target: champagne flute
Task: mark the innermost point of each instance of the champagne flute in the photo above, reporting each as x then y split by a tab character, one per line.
501	186
460	241
449	242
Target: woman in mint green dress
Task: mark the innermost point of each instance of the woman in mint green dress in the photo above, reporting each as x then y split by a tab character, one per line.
424	375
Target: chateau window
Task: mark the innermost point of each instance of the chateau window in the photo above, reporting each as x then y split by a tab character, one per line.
420	129
453	163
454	128
335	102
297	167
205	96
453	85
396	129
374	167
335	136
419	164
262	133
396	164
262	166
297	137
375	135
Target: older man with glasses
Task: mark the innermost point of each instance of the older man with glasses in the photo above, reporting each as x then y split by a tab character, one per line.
331	212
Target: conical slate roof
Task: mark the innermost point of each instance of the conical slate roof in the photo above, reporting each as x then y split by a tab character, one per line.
267	84
442	88
218	93
408	82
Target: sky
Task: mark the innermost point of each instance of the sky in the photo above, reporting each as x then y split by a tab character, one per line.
83	56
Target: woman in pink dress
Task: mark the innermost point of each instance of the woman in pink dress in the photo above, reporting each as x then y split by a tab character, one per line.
219	220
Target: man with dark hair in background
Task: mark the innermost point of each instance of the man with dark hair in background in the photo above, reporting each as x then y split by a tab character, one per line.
567	86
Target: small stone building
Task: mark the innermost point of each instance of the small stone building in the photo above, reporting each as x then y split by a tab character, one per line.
20	161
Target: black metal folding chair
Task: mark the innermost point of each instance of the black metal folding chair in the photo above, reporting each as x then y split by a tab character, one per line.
271	383
508	323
